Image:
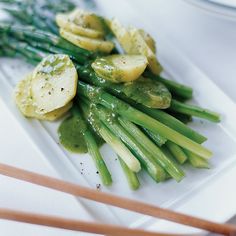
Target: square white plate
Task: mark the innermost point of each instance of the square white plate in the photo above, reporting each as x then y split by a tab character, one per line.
185	196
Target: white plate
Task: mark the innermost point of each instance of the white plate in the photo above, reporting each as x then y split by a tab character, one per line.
227	3
223	8
184	196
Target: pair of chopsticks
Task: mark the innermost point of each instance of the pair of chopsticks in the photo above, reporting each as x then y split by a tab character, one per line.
77	190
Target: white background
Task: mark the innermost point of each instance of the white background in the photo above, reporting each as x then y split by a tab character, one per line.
208	40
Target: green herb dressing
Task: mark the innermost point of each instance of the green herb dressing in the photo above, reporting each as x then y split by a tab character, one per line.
71	135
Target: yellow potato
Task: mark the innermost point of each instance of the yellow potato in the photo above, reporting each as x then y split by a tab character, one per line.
139	46
54	83
135	42
148	39
23	97
24	101
64	22
120	68
122	34
87	20
87	43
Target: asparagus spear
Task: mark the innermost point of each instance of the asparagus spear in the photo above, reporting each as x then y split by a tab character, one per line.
99	96
156	138
148	161
131	176
52	5
93	149
27	50
192	110
53	49
181	117
172	122
197	161
30	33
159	156
111	139
177	152
29	14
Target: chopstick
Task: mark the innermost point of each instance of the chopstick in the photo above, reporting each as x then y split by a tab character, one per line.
75	225
136	206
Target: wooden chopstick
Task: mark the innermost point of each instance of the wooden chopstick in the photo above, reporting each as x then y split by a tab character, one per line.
75	225
136	206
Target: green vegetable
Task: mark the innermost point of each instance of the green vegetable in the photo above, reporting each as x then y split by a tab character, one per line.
197	161
155	152
30	33
93	149
154	169
177	152
192	110
156	138
172	122
111	139
136	116
131	176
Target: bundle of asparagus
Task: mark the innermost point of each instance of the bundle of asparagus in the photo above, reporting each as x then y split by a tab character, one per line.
142	119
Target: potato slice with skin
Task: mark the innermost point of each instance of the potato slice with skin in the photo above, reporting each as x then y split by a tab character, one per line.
24	101
148	39
139	46
23	97
120	68
122	34
64	22
87	43
54	83
135	42
87	20
56	114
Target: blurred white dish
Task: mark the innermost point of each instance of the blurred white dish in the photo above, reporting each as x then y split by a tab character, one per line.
223	8
228	3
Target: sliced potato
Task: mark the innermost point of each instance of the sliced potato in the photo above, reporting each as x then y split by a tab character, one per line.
54	115
64	22
87	20
134	41
54	83
24	101
148	39
139	46
23	97
120	68
122	34
87	43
